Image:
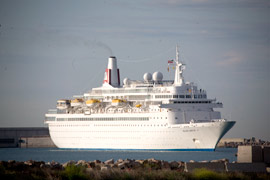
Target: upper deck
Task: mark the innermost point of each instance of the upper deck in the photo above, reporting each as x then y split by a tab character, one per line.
137	96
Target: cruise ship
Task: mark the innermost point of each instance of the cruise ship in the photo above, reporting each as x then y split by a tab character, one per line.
150	114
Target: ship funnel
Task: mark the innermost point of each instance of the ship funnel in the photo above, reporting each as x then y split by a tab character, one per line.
112	75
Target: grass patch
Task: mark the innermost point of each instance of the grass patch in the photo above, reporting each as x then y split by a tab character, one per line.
205	174
74	172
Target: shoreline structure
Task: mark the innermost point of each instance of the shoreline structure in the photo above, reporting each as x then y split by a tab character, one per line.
133	169
253	162
249	159
220	165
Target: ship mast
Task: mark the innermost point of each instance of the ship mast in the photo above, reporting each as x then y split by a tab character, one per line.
179	67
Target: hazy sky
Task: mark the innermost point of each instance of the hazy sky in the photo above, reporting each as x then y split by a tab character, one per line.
55	49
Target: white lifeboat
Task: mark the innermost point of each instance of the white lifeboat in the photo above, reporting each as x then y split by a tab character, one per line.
63	104
76	102
118	102
92	102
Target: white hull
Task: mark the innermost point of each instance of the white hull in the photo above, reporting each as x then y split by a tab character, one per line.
137	136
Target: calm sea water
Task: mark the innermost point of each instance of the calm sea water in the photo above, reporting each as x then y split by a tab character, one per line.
58	155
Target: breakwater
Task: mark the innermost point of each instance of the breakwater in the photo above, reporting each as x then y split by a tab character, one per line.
25	137
132	169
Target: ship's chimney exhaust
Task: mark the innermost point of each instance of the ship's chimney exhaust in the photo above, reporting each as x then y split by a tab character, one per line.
112	75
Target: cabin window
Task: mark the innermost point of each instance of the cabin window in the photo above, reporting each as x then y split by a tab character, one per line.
188	96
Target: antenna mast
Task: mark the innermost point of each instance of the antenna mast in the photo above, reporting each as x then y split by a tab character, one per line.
179	67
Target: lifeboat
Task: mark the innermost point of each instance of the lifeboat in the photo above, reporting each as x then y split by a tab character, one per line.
92	102
118	102
63	104
138	105
76	102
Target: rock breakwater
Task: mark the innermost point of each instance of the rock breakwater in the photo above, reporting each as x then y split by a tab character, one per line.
129	168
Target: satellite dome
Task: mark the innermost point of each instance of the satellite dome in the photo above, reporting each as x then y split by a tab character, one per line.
157	76
126	81
147	77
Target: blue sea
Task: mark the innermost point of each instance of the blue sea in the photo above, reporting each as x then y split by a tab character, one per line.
62	156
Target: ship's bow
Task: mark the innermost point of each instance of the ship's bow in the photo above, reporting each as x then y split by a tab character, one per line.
226	126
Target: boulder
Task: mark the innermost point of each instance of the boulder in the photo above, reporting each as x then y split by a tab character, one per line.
82	163
153	164
174	165
268	169
121	165
139	161
134	165
220	160
145	162
43	166
56	165
165	165
11	161
98	167
181	166
65	165
115	166
104	168
97	161
29	162
110	161
92	164
119	161
37	163
71	162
